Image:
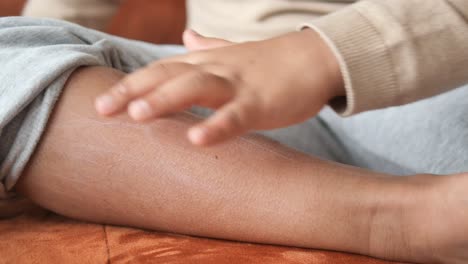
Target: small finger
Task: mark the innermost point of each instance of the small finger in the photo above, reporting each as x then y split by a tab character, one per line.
191	88
137	84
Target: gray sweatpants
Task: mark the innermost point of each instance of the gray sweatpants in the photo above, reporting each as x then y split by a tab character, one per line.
37	56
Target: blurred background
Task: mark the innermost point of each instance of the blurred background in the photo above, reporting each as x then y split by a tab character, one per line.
156	21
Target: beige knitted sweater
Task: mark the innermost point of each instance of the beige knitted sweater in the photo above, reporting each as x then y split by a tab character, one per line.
391	52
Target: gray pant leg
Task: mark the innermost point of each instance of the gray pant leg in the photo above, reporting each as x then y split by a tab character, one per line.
429	136
37	57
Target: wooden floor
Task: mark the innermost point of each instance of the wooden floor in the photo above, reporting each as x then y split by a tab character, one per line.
157	21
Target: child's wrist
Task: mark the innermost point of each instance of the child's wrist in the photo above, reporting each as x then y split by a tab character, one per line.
317	45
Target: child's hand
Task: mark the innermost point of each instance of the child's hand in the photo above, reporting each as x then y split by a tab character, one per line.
254	85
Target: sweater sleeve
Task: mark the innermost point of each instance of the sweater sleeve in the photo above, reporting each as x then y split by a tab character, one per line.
396	52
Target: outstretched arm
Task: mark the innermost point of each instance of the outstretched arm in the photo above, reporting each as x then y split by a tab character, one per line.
250	189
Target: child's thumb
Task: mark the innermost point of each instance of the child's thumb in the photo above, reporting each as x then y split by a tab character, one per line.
194	41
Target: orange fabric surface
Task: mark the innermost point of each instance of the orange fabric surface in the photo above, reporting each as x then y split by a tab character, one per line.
38	236
156	21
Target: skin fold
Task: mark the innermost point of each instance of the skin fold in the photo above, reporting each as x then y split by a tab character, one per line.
148	175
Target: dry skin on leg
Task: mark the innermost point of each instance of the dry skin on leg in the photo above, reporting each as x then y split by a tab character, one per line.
148	175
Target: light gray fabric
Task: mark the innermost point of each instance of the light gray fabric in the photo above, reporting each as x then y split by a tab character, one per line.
429	136
38	56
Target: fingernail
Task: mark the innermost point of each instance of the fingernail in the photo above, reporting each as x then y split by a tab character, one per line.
197	135
140	110
105	104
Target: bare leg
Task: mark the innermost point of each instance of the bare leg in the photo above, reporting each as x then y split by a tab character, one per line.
251	189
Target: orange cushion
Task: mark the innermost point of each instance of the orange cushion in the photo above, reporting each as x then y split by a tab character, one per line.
39	236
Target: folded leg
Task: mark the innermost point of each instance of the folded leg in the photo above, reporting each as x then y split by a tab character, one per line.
429	136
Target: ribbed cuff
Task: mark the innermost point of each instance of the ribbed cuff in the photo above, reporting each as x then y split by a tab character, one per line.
364	60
